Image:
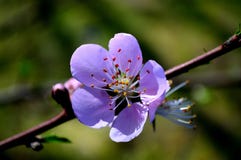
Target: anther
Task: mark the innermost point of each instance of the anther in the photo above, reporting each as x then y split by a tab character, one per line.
119	50
148	71
129	60
116	65
138	57
92	85
186	109
128	102
113	59
116	91
105	70
127	69
105	59
92	75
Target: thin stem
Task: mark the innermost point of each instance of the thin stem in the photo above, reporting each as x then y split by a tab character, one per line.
61	95
24	137
231	44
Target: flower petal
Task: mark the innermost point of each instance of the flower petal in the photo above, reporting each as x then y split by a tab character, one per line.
153	105
129	123
127	53
91	107
91	65
153	86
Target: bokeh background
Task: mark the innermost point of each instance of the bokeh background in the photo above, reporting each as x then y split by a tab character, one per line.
38	37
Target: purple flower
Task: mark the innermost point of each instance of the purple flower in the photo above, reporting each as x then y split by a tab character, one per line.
118	90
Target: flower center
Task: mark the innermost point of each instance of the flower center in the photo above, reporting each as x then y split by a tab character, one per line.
123	90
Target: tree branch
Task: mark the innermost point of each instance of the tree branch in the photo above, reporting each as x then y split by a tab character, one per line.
62	96
231	44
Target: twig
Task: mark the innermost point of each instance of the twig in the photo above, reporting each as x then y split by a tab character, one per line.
61	94
231	44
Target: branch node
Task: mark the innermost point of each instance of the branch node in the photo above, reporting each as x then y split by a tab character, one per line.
61	95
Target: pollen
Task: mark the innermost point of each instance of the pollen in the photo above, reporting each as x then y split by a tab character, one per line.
116	91
126	82
128	105
124	93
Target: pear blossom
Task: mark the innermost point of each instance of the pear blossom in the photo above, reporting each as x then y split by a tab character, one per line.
117	90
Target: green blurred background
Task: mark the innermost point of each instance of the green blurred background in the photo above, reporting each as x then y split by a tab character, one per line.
37	39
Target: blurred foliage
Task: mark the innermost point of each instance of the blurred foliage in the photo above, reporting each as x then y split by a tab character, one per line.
37	39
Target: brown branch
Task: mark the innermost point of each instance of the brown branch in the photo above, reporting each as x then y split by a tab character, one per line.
26	136
231	44
61	94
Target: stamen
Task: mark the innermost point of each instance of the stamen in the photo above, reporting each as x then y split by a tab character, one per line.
117	73
116	65
103	89
137	96
186	109
133	84
119	103
105	70
128	102
104	80
185	122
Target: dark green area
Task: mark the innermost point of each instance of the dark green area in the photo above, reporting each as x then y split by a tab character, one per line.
37	39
